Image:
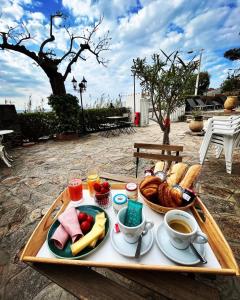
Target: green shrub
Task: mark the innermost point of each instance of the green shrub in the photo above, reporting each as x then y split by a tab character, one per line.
67	111
37	124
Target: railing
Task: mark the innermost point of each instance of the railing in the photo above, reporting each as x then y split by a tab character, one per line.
180	111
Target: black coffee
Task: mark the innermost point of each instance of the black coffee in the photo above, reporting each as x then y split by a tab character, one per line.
180	226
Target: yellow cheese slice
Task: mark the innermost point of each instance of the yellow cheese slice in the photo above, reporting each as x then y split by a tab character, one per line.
97	230
99	220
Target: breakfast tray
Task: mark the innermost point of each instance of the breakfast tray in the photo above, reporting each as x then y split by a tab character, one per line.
219	253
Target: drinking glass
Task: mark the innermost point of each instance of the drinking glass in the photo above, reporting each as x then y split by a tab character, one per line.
75	187
92	178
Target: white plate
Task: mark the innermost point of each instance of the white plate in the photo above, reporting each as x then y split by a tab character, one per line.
126	249
184	257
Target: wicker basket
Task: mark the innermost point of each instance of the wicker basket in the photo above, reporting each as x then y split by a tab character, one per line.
162	209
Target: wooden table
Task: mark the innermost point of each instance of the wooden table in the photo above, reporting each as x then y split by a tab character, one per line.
3	153
87	283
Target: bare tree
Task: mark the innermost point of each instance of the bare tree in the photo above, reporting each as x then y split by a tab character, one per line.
47	59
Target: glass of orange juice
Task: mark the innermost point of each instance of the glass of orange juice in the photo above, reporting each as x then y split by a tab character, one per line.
92	177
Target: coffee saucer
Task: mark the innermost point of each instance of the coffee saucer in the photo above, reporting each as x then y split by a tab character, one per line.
126	249
184	257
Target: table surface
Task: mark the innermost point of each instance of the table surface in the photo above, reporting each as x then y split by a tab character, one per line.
2	132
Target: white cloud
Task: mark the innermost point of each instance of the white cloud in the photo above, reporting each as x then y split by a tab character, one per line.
135	31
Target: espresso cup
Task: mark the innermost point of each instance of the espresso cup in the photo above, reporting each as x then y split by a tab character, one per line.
131	234
183	229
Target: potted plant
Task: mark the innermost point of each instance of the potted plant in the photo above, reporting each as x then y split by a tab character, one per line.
196	124
66	109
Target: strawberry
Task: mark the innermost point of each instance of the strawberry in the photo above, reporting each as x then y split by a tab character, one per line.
82	217
97	187
90	219
104	191
85	226
106	185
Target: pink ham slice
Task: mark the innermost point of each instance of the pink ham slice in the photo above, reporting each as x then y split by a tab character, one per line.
60	237
69	226
69	220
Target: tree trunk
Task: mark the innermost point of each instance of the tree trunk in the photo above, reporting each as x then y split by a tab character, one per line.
57	84
166	132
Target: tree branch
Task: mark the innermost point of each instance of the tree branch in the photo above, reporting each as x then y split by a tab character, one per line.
52	37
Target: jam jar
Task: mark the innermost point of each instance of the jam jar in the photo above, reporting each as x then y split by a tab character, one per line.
132	191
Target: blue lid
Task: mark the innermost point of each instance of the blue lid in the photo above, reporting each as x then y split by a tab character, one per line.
120	199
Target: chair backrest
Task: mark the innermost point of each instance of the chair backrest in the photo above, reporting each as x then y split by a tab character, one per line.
200	102
226	125
168	149
192	103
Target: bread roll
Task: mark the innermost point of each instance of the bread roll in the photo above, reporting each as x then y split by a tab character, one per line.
159	166
176	173
191	176
161	193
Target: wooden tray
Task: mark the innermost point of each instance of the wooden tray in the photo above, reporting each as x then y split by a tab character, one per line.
217	242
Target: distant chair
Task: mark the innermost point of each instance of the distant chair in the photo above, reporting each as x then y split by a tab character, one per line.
203	105
193	104
127	124
224	133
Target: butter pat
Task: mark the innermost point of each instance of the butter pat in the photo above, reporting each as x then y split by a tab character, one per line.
97	230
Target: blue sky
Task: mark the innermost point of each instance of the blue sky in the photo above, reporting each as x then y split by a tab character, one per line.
138	29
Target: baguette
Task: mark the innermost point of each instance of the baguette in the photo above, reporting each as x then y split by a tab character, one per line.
159	166
191	176
176	173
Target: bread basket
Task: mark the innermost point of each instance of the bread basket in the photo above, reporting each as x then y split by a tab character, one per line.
163	209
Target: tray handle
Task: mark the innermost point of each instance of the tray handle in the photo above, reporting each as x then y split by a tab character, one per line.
40	233
216	238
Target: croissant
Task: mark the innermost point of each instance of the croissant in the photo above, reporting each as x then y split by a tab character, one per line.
176	196
150	180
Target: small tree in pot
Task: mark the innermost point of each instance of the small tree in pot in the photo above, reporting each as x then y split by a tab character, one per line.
166	81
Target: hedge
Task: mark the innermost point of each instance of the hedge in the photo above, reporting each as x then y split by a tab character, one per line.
38	124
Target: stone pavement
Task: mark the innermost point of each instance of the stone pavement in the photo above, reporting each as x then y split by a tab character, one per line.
39	174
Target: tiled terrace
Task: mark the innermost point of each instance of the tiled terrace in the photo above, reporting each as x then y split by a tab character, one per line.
39	174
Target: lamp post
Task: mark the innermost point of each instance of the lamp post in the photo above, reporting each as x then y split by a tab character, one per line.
82	88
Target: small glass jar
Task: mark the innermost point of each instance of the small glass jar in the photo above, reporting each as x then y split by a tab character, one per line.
119	201
132	191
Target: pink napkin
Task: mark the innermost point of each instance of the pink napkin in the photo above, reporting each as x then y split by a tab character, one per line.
69	226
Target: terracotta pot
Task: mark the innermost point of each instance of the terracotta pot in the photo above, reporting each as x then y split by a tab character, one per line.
196	125
231	102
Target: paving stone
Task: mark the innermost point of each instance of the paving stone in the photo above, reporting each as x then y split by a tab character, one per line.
4	257
217	205
11	180
229	224
54	292
25	285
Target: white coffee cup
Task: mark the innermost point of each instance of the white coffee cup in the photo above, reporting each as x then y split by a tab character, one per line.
183	229
131	234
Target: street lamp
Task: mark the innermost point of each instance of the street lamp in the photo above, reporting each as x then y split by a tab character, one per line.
82	88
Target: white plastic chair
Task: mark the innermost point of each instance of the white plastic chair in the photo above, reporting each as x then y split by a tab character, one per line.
224	133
